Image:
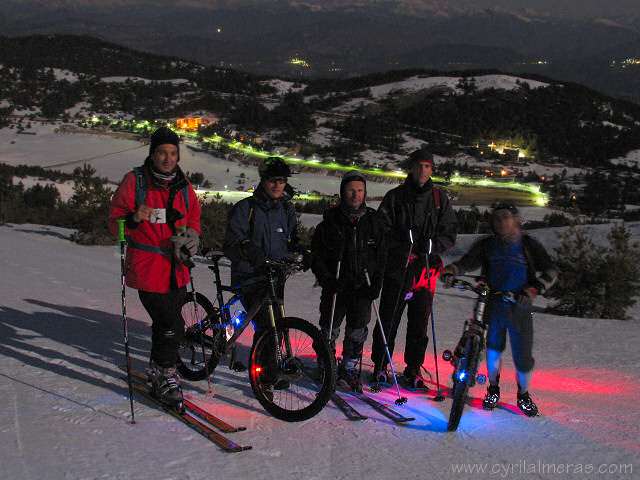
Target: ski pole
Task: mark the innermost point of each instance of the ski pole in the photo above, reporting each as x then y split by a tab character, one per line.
122	242
196	314
401	400
439	397
395	308
335	297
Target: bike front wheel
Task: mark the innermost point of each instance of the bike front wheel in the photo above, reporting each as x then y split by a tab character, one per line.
466	368
300	385
204	341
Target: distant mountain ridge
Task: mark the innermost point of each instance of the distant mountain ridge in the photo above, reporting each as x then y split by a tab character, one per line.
337	38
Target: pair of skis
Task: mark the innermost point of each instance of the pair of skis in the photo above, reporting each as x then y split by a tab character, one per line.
352	414
193	416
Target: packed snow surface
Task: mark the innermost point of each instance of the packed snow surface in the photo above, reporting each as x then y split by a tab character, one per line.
67	412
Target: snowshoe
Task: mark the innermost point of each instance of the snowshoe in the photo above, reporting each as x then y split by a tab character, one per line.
491	398
527	405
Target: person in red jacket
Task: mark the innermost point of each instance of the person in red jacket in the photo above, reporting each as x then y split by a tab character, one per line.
162	225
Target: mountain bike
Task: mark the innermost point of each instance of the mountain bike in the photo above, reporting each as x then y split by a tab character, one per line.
467	355
291	368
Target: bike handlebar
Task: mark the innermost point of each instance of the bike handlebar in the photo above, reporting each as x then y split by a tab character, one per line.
481	286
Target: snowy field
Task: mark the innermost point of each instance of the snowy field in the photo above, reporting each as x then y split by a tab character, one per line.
67	410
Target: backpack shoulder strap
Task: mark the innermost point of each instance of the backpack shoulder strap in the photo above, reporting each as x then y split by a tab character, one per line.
141	186
526	248
251	216
436	197
185	196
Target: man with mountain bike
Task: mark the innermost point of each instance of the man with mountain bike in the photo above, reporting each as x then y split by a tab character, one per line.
420	224
263	226
510	262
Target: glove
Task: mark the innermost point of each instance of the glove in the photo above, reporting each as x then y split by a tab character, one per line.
253	254
292	257
307	260
448	275
185	245
187	238
370	292
526	295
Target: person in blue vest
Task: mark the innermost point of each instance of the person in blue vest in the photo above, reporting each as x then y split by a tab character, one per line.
510	261
162	225
419	224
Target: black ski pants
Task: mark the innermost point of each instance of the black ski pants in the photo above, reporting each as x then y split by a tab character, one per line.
167	327
418	312
357	312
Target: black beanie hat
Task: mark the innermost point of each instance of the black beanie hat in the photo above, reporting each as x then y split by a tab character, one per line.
421	155
161	136
352	176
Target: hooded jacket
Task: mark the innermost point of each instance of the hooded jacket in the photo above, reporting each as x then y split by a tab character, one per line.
269	224
150	271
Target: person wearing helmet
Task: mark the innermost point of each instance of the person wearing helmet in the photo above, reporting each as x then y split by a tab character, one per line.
262	226
510	261
347	246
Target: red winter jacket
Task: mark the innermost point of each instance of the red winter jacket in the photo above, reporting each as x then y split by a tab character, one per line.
144	270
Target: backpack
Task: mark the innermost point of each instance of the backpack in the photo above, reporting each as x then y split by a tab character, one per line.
140	195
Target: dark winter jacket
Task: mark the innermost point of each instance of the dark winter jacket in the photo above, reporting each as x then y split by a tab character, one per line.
536	256
357	242
408	207
268	224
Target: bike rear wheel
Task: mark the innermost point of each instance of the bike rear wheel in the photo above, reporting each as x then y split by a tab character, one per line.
301	386
204	338
465	371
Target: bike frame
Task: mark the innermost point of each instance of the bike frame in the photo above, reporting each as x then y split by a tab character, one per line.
269	300
475	327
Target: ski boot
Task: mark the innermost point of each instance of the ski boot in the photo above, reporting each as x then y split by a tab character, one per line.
165	386
348	373
491	398
527	405
378	376
414	379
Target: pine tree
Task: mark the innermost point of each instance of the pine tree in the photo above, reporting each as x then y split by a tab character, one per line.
596	281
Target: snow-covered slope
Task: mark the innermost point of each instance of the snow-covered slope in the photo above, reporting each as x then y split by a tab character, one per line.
66	409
